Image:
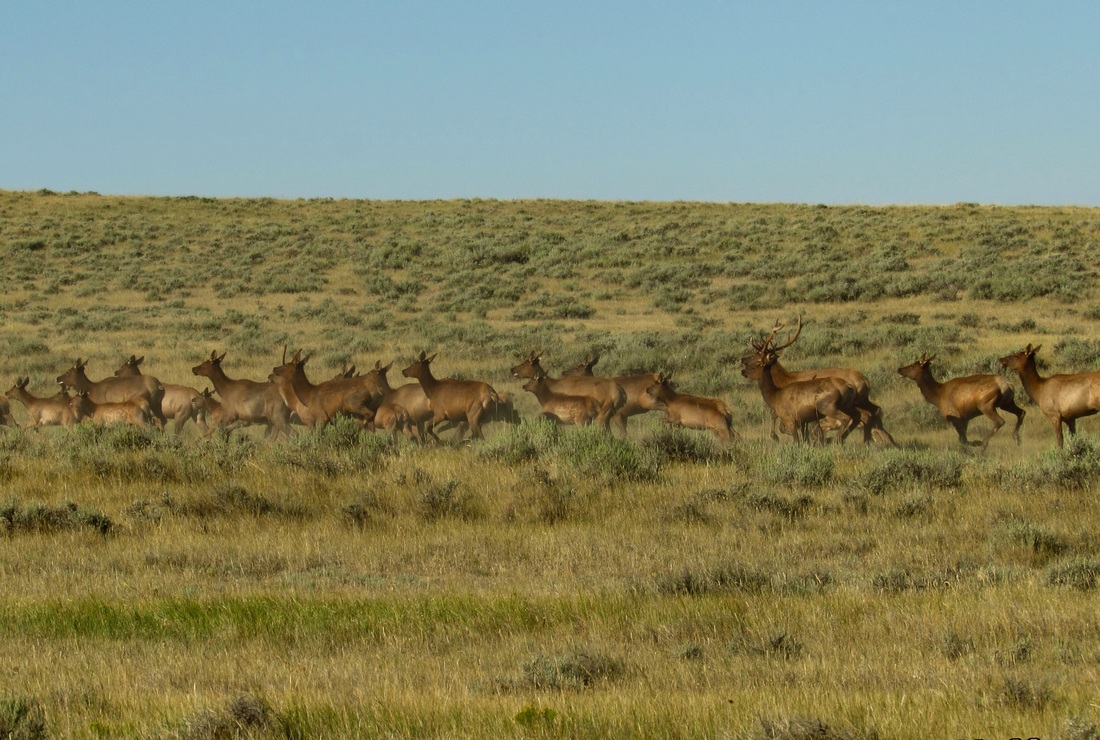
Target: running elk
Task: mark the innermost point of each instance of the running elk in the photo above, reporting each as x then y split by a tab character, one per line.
178	402
116	389
961	399
1063	399
691	412
246	400
453	400
868	413
803	404
43	412
608	395
633	387
136	411
564	409
325	401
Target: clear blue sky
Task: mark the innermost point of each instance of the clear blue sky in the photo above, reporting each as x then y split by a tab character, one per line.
813	102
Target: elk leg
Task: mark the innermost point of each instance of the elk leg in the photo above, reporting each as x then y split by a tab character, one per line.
1057	422
960	429
1010	406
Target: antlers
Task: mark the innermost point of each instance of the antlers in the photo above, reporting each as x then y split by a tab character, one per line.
767	345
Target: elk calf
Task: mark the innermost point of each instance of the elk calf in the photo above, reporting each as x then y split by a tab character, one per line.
43	412
961	399
690	412
136	411
562	408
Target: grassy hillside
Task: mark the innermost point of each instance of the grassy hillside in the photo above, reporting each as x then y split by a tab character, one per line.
546	582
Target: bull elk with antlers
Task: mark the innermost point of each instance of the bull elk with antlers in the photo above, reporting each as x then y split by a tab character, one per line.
961	399
1063	399
868	413
690	412
804	404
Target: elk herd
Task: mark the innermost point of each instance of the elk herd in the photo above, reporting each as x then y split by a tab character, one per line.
809	405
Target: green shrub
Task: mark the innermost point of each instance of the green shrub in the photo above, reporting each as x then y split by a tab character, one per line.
797	465
908	468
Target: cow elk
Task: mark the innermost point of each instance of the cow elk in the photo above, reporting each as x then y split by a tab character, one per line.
325	401
961	399
116	389
43	412
249	401
869	414
563	409
633	387
1063	399
178	402
608	395
691	412
453	400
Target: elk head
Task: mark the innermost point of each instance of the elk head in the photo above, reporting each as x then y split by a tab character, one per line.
530	367
1020	360
420	368
209	365
916	369
130	367
72	376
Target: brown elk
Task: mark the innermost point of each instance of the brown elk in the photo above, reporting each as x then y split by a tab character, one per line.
325	401
116	389
609	396
410	397
562	408
453	400
961	399
135	411
633	386
395	419
803	404
178	402
6	419
1063	399
869	413
690	412
250	401
43	412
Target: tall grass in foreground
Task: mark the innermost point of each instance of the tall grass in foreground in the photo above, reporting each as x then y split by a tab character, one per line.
547	582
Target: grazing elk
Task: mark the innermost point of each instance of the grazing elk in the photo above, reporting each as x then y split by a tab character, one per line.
869	413
633	386
805	403
325	401
690	412
608	395
961	399
250	401
453	400
116	389
562	408
178	402
43	412
135	411
1063	399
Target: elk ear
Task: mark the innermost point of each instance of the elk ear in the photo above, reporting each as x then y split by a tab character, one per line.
222	357
139	360
423	355
383	370
1036	350
429	359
